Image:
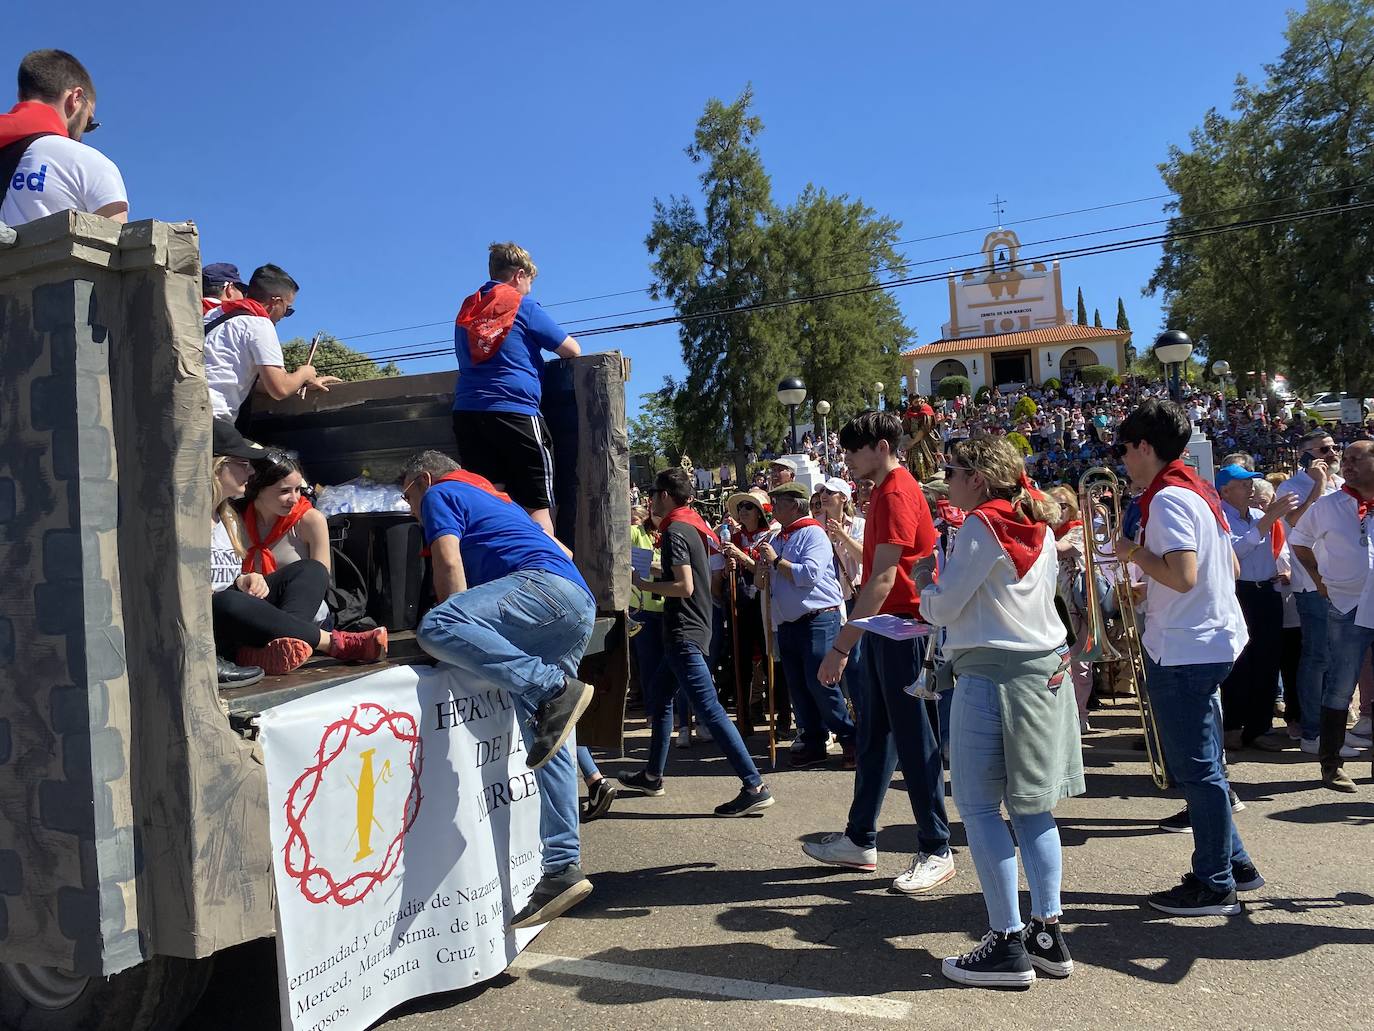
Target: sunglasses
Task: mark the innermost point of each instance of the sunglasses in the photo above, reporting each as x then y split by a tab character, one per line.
1329	449
743	505
949	470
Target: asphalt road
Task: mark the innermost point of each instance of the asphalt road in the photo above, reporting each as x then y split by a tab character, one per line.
699	922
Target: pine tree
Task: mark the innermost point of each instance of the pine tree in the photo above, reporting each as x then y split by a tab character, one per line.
1097	318
1121	321
1082	309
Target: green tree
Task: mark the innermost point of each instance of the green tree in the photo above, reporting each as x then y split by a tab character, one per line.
335	359
1097	375
1025	408
1082	309
654	432
952	386
1121	321
1097	318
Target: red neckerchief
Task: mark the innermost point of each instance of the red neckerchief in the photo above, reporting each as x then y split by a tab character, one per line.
472	480
1176	474
1062	530
209	304
1278	537
950	515
749	542
486	318
799	524
687	515
259	552
1021	540
27	118
246	305
1362	507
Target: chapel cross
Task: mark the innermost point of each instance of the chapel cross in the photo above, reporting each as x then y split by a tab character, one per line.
998	205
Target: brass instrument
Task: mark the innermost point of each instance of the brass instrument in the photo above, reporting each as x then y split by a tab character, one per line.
1101	521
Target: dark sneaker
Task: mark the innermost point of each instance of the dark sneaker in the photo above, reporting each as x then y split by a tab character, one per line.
1046	949
555	720
1247	877
803	758
232	675
1178	823
554	895
641	783
599	798
747	802
1193	898
999	961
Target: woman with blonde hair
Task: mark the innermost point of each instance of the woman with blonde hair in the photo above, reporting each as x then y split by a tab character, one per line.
1070	547
1014	733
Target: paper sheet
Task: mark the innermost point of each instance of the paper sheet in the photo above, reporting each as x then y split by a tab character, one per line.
894	627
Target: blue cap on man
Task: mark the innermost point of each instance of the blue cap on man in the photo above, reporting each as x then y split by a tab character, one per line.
1227	473
219	273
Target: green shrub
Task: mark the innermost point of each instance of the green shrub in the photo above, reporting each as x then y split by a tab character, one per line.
1052	384
1097	375
1019	441
1024	409
981	398
952	386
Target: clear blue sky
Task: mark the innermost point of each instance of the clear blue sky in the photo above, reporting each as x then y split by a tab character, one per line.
376	157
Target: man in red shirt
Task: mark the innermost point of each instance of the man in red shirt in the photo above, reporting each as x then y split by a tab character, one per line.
893	727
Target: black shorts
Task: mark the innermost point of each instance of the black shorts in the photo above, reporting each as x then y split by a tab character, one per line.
515	452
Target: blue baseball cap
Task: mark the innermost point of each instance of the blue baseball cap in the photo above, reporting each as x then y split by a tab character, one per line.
1227	473
221	272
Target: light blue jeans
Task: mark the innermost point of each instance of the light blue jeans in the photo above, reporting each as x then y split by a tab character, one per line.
978	776
524	633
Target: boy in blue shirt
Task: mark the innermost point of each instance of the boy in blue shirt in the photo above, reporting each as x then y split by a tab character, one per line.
499	339
514	611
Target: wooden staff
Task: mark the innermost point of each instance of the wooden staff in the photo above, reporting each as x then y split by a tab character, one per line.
742	689
310	358
766	604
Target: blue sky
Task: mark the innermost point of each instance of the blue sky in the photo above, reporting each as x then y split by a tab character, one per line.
376	157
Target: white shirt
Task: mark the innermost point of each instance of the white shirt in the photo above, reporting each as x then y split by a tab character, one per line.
1205	624
225	563
59	174
1331	529
980	602
1301	484
233	352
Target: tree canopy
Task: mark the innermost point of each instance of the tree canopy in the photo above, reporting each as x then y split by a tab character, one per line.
335	359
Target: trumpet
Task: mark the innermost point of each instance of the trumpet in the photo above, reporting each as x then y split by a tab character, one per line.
1101	520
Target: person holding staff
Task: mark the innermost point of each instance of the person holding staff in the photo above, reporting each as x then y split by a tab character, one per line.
1193	633
1014	733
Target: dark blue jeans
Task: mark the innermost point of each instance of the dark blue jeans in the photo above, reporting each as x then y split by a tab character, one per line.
1312	611
802	646
1187	706
897	729
689	671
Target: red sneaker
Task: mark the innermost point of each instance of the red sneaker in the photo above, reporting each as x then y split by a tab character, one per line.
278	656
365	647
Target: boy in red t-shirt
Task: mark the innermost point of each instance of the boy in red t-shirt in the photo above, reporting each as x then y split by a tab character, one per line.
893	727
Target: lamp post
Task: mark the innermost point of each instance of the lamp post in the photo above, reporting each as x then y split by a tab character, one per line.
792	392
1172	348
823	409
878	395
1221	369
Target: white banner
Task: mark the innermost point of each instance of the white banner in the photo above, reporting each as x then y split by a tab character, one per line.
405	835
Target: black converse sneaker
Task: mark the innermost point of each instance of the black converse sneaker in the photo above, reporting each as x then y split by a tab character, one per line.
1247	876
554	895
1046	948
1193	898
554	721
642	783
747	802
1179	823
999	961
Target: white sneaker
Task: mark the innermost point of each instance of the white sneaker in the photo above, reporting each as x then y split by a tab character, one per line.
924	873
1363	728
684	737
838	850
1311	746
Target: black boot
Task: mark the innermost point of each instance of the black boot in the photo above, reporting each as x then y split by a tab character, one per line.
1329	747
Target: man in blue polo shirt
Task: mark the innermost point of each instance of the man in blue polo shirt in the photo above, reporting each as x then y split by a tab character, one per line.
499	340
511	610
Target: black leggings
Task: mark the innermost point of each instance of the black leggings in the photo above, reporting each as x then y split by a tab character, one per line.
294	594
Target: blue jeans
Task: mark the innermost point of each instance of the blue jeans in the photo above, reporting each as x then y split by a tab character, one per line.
586	765
896	728
687	663
1346	645
1312	610
851	681
802	646
524	633
1187	705
978	777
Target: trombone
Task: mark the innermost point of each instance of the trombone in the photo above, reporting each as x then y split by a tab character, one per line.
1101	519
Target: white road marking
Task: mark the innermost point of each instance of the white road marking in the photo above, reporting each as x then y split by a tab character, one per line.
722	987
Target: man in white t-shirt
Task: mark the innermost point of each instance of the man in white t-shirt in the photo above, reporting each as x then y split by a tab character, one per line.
1318	477
1194	631
241	348
1332	543
44	166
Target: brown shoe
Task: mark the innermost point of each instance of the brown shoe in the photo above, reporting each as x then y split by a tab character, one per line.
364	647
278	656
1338	780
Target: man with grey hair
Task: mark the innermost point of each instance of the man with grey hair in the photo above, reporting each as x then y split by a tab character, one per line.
512	610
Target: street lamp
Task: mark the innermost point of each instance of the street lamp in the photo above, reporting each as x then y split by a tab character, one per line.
1221	369
792	392
1172	348
823	409
878	395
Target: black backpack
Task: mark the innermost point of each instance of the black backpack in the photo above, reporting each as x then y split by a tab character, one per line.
347	595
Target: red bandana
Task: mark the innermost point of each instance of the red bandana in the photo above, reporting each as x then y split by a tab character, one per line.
1362	507
688	515
1062	530
1176	474
246	306
1021	541
799	525
259	558
27	118
486	318
949	514
472	480
749	542
1278	536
